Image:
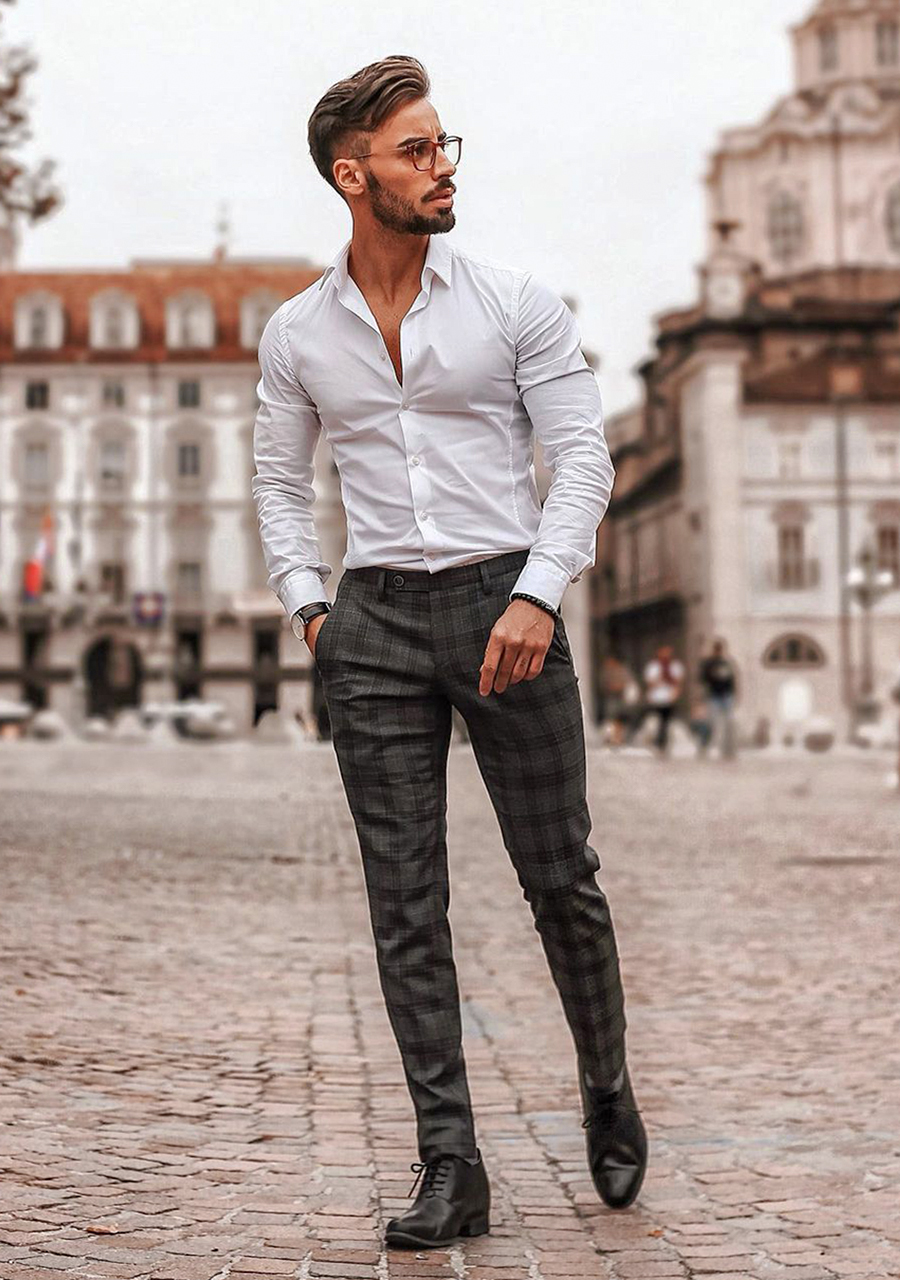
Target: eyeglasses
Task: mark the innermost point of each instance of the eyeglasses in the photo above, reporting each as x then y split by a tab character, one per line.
424	152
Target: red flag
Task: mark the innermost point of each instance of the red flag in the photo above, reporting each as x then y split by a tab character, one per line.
33	577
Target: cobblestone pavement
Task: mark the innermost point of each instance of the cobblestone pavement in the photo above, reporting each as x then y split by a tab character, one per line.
199	1079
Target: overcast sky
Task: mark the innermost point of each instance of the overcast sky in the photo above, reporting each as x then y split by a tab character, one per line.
587	126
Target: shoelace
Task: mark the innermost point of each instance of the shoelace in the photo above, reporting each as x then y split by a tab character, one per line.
435	1171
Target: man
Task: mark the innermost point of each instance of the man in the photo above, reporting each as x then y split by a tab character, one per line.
430	371
717	676
663	680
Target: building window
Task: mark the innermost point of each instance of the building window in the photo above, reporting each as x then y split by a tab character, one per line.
112	464
114	330
785	227
189	395
38	329
190	322
112	581
794	572
887	44
188	582
793	651
37	395
887	458
37	465
114	321
892	217
256	311
114	395
828	49
790	455
888	550
188	460
38	322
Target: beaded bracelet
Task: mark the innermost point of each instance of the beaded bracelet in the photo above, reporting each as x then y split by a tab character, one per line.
542	604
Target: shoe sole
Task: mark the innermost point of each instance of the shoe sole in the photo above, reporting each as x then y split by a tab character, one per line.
477	1227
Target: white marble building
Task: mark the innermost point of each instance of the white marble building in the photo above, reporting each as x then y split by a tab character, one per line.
764	459
127	403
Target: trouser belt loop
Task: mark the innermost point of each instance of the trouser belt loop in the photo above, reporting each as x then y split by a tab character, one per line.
485	577
382	588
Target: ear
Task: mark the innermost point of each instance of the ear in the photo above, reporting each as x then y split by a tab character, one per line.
349	177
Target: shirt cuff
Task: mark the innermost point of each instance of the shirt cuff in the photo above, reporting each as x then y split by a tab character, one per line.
542	580
303	587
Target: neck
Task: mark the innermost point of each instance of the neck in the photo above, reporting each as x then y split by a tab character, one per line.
386	262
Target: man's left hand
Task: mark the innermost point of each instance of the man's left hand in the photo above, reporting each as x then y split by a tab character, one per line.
518	642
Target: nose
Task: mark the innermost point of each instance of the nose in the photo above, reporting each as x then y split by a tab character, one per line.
442	165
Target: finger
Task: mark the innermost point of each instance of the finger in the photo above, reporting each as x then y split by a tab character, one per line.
504	671
521	667
489	667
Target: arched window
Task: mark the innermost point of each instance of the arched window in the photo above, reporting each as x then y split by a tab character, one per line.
256	310
38	322
793	651
190	322
887	43
828	49
785	227
114	321
892	217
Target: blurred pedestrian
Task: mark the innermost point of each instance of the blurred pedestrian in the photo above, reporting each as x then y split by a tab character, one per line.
701	725
663	681
620	693
719	681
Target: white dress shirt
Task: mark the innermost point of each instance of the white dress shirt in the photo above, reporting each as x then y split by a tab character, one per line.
439	470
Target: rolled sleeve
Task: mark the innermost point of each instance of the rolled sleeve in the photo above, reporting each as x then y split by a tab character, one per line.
562	399
285	435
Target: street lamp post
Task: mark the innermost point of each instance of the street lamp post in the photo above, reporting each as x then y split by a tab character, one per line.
846	385
867	584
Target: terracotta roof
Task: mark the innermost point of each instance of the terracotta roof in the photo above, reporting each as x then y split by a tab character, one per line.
150	283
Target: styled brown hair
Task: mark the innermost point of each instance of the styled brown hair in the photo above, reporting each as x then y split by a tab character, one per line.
353	108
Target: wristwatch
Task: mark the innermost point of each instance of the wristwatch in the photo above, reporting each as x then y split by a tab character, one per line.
306	614
542	604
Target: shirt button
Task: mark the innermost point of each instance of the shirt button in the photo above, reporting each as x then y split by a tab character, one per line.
414	461
404	405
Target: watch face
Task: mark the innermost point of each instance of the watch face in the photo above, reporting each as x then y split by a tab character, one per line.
298	627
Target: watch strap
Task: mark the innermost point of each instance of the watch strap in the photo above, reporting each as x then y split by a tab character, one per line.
309	611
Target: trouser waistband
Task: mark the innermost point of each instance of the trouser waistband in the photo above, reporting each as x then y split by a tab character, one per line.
477	571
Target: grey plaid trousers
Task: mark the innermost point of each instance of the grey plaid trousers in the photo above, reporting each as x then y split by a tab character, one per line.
396	651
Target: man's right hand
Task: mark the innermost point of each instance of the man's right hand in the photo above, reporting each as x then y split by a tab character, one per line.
312	631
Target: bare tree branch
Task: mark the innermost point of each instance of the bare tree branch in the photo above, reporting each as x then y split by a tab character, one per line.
25	192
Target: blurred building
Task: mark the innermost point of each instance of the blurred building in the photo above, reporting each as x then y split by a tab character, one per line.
127	403
764	460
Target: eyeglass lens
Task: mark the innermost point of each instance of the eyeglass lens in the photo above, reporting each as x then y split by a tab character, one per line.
424	153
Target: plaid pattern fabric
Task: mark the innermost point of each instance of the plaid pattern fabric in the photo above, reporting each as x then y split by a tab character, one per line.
399	648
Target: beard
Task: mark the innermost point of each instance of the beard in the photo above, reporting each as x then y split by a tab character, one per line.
402	215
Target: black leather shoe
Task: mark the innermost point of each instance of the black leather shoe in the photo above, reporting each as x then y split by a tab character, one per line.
616	1142
454	1200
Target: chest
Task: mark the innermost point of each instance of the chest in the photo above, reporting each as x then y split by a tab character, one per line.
389	317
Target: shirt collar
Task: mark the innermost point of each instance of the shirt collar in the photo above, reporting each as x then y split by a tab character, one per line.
438	260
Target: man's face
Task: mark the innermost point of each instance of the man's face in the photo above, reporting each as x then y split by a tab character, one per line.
403	198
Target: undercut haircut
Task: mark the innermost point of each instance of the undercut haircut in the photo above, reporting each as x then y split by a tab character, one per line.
348	113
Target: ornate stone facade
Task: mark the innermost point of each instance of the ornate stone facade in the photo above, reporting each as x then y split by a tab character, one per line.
765	456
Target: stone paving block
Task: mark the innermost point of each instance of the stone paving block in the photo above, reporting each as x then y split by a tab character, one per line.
201	1051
